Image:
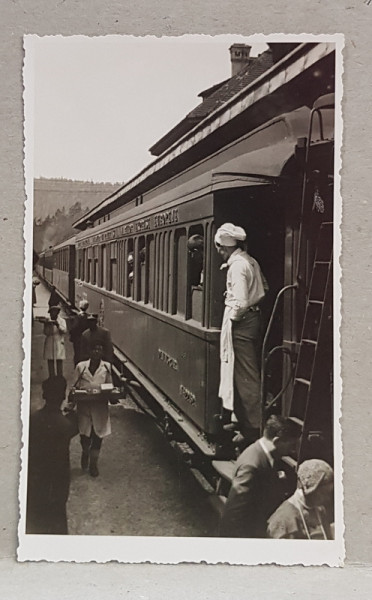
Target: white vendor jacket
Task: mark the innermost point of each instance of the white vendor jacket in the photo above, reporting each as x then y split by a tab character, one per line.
54	346
93	412
245	287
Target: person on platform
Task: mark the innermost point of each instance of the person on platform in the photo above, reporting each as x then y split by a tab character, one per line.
240	332
304	516
79	325
95	334
35	283
54	345
93	415
257	488
49	462
54	298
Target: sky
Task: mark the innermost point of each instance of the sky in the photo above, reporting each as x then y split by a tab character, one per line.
100	103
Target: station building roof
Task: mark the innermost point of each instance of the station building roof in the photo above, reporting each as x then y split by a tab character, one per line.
215	97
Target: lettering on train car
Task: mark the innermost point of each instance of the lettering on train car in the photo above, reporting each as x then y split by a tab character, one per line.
169	360
84	243
104	237
166	218
187	395
143	225
126	229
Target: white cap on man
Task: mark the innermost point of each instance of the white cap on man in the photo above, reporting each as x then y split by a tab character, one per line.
228	234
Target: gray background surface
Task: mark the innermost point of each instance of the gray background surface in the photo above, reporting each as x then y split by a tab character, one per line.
172	17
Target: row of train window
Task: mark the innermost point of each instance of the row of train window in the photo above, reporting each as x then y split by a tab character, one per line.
62	259
164	270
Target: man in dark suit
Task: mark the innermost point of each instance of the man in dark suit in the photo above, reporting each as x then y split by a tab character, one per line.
96	335
257	489
79	325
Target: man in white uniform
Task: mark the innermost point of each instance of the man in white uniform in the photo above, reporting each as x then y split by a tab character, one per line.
241	331
93	415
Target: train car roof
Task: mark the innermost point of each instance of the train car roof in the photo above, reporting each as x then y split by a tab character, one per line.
291	66
256	159
69	242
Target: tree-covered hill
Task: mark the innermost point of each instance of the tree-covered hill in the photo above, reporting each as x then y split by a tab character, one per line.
58	203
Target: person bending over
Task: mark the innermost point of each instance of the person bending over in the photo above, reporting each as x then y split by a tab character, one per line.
257	488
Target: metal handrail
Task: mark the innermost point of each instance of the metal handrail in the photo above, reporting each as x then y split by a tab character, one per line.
281	292
288	353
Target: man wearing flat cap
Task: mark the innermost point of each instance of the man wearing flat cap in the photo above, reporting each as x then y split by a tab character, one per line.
240	331
95	334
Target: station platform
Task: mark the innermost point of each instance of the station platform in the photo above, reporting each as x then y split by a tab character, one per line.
142	489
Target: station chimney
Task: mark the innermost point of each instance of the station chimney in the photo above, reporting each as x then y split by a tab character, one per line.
239	57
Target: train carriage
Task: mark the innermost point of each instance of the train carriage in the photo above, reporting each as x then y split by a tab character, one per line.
44	266
164	307
64	269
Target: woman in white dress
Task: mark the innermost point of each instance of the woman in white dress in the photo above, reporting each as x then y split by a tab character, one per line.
54	345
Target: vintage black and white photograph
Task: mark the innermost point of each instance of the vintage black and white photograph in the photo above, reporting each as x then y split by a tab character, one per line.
182	388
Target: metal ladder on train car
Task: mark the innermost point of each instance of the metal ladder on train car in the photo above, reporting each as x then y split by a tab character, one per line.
312	369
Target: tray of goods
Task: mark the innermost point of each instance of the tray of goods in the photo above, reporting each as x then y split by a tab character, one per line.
106	393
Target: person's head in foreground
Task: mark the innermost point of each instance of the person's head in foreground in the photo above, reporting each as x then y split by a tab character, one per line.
54	390
315	480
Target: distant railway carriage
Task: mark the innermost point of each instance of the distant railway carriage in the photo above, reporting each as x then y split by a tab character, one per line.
44	266
64	269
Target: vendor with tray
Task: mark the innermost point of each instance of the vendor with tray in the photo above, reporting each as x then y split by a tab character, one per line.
92	392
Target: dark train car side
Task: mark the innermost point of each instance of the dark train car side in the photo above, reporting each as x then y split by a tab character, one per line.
44	266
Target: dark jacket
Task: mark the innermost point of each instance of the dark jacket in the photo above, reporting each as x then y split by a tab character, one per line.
54	298
49	470
79	325
255	493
